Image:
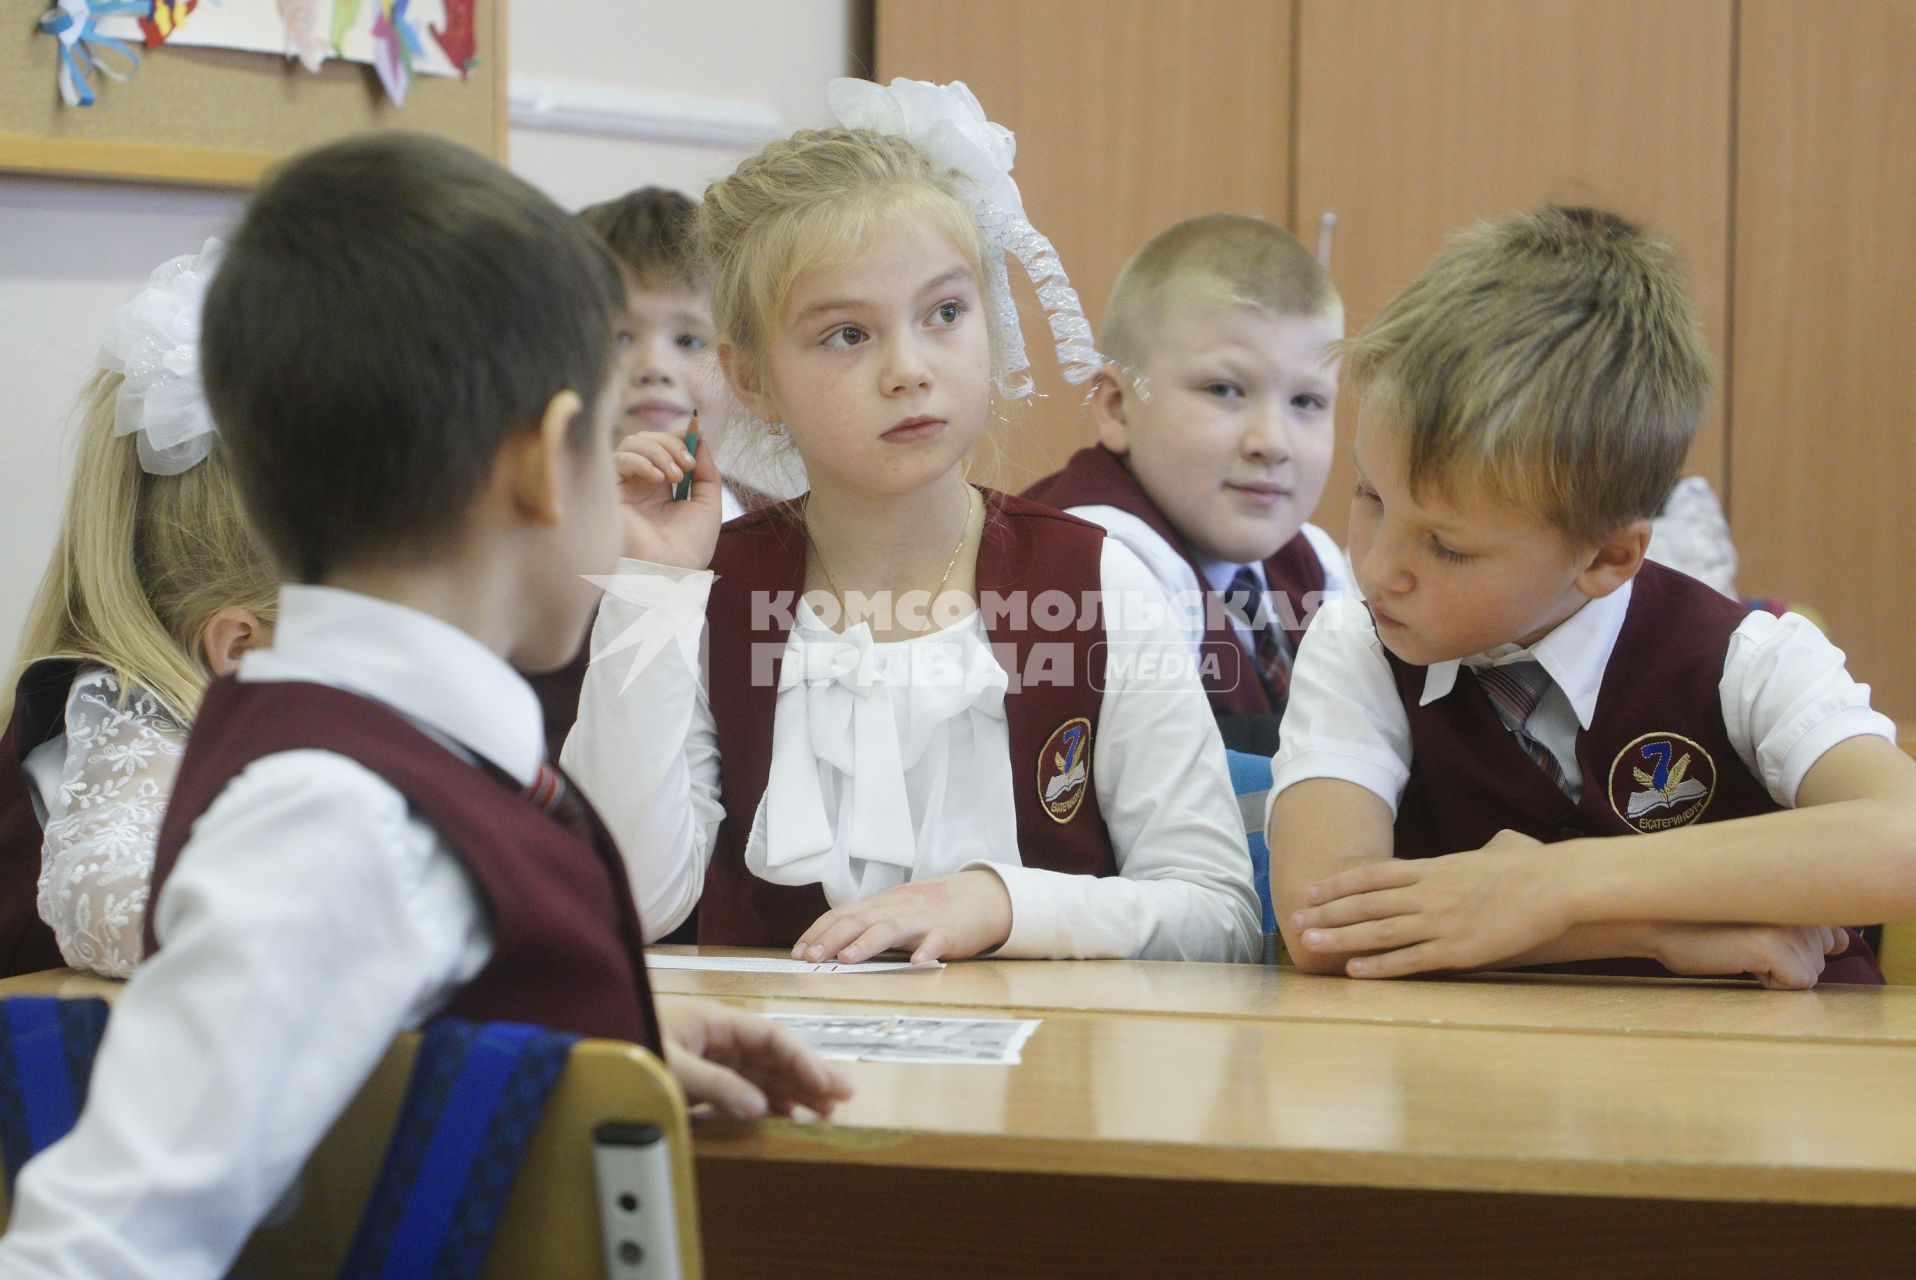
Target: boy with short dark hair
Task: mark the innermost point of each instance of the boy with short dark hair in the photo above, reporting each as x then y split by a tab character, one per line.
409	354
1215	419
1516	676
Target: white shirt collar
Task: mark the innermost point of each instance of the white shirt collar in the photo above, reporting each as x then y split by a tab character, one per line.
429	671
1574	655
1218	573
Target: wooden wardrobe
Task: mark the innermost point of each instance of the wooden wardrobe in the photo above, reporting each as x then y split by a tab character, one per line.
1772	140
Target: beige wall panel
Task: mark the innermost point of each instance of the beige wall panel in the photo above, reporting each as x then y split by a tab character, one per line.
1416	119
1825	322
1129	117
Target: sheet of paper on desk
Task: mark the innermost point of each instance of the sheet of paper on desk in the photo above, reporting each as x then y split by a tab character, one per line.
766	964
901	1039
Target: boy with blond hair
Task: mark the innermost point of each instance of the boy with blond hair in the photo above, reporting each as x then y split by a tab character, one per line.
668	381
668	365
1517	676
1214	419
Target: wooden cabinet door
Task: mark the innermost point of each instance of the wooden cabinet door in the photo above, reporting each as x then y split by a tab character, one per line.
1825	323
1129	116
1415	120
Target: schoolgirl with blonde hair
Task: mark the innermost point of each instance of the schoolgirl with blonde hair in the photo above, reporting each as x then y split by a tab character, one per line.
157	583
925	715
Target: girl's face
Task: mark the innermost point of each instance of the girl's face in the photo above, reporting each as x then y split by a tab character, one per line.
881	365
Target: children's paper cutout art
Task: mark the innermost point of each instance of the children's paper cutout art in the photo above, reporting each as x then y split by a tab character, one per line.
84	49
395	44
457	37
163	18
302	39
345	15
273	27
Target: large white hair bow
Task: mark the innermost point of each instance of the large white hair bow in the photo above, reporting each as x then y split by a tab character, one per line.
947	123
155	344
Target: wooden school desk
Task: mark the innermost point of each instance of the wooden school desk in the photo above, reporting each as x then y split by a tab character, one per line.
1215	1120
1429	1129
1266	993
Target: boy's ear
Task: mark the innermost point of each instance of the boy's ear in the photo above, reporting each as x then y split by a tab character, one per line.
532	464
1110	400
742	376
1615	559
230	633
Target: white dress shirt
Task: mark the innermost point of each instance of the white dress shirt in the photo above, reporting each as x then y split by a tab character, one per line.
311	918
891	762
1173	572
1786	698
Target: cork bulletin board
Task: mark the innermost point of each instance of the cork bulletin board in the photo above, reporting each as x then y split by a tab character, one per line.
222	117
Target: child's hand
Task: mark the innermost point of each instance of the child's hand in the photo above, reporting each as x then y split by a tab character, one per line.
685	533
1463	911
746	1066
1781	957
944	918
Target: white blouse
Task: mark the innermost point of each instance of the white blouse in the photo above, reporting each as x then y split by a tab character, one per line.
892	762
101	788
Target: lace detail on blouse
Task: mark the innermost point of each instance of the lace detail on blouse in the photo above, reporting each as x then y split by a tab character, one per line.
96	861
1691	536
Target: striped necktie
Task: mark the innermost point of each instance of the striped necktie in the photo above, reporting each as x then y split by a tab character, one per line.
1247	601
1515	689
551	792
548	788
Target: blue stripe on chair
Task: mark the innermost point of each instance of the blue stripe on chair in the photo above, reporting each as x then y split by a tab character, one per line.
1251	781
475	1097
47	1046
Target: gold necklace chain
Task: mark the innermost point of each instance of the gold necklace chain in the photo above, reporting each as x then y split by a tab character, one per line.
963	537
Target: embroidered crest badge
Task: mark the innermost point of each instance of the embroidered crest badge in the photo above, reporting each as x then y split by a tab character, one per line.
1661	780
1064	769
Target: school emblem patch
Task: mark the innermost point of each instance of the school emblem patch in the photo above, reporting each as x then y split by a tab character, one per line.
1661	780
1064	769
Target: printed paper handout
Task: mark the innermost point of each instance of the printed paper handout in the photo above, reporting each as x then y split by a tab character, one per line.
901	1039
766	964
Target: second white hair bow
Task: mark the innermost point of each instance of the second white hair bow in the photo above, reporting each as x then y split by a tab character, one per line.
155	343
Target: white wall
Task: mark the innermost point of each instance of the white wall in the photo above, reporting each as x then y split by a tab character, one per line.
775	54
70	252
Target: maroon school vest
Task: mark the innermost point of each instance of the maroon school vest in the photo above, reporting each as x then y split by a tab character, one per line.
1098	477
1656	755
1028	550
566	949
39	715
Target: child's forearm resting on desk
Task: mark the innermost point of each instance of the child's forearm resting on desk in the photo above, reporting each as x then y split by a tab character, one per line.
1848	852
1325	826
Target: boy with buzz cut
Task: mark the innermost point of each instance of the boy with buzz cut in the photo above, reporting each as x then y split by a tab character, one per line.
1215	424
1713	788
408	353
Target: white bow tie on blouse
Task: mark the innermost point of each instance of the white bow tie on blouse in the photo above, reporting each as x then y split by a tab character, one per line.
890	762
